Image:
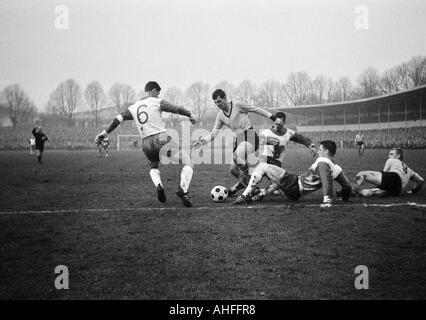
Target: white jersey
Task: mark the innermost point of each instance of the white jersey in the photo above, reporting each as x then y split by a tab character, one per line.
32	141
400	168
147	115
274	145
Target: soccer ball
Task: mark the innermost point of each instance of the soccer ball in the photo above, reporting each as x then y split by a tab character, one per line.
219	194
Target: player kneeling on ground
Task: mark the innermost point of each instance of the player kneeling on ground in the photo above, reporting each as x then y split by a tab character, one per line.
321	174
391	181
147	115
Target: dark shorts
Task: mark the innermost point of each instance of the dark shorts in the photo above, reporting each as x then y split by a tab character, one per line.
39	146
391	183
250	136
152	145
289	184
360	143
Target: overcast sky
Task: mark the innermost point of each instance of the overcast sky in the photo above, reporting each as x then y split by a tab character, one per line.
183	41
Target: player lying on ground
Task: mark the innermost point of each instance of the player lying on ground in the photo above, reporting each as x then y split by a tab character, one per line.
103	146
147	115
235	115
321	174
391	181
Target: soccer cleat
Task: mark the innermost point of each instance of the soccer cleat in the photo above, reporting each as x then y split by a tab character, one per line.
238	186
161	194
184	196
242	199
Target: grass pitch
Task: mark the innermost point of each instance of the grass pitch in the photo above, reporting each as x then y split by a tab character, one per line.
100	218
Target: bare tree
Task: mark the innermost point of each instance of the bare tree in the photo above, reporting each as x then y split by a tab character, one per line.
175	96
198	97
297	88
65	100
417	70
269	94
246	92
404	79
115	95
344	87
389	81
369	83
18	103
128	95
319	88
95	98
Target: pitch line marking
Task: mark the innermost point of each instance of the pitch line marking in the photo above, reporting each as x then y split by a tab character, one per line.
229	207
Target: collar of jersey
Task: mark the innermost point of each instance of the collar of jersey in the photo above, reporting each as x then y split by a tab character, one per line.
230	111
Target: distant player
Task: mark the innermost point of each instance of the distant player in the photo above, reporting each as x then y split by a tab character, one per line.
359	143
40	139
321	174
32	145
235	115
103	147
147	115
273	142
391	181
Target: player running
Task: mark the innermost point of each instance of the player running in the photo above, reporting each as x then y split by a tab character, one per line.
147	115
235	115
391	181
359	143
321	174
103	146
40	139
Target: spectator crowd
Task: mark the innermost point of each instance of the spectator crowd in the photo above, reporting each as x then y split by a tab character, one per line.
81	138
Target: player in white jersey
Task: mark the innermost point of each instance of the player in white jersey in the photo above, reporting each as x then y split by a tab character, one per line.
321	174
147	115
235	115
391	181
359	143
273	143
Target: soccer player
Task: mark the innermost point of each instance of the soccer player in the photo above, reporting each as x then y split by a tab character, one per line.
103	146
235	115
274	142
40	139
359	142
147	115
32	145
321	174
391	181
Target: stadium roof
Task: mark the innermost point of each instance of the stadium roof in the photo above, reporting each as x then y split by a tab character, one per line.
399	97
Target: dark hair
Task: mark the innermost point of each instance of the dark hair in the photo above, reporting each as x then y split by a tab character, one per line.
218	93
330	146
280	115
151	85
399	152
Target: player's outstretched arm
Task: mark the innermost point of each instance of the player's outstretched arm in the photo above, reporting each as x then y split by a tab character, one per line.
260	111
327	182
125	115
169	107
419	183
211	136
301	139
